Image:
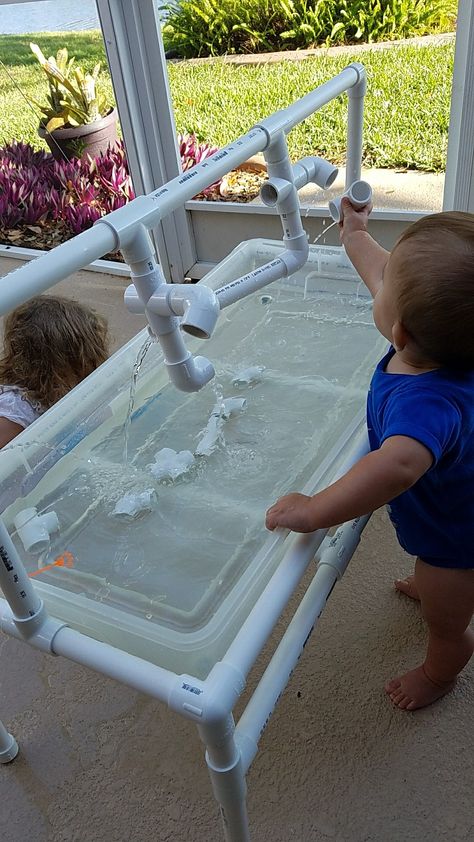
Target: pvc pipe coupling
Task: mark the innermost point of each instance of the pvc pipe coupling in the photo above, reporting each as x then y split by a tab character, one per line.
34	530
359	195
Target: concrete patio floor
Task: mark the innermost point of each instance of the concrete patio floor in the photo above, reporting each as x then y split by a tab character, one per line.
99	762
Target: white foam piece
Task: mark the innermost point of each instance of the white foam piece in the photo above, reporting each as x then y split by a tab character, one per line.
171	464
231	406
135	503
248	376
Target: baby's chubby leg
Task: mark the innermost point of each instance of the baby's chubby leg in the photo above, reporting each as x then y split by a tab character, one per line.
447	603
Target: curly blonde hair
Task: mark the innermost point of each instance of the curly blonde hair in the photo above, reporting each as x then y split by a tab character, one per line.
50	344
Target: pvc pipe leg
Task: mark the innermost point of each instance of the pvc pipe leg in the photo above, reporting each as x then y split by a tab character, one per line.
8	746
228	781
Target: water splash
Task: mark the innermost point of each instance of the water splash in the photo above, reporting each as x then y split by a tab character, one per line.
133	388
325	230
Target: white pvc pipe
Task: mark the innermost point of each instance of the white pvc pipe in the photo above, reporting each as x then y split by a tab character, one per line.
251	282
227	776
134	672
117	228
54	266
314	169
186	372
14	582
8	745
355	120
359	194
331	567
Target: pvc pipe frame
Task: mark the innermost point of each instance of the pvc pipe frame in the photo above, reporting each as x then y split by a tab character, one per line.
124	228
209	703
22	614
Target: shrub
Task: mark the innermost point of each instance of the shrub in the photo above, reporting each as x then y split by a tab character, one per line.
196	28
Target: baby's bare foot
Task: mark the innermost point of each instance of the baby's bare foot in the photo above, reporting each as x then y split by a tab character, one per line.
415	690
408	587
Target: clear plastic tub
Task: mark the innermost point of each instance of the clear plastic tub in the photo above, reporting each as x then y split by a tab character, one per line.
174	583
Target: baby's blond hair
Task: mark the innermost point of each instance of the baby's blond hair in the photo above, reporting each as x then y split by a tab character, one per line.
50	345
434	270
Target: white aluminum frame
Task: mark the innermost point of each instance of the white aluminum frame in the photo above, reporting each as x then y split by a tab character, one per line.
210	702
459	183
134	47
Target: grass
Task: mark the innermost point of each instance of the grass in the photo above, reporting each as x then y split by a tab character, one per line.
407	105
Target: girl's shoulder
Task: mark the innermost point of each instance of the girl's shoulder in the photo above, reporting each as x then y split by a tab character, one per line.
17	407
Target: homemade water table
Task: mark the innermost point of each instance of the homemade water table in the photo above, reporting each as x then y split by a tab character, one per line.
132	537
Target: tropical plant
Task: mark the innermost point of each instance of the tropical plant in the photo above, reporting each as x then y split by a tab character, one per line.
74	97
215	27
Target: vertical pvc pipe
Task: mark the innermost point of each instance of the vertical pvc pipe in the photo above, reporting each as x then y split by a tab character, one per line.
227	777
332	566
14	582
355	120
8	746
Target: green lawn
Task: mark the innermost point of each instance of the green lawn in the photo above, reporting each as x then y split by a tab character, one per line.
407	105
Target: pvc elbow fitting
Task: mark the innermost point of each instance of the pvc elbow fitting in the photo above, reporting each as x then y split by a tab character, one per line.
191	374
314	169
359	195
34	530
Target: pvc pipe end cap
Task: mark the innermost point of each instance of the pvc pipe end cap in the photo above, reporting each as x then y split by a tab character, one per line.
9	754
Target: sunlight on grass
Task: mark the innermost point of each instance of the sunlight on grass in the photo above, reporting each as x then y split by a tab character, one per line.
406	118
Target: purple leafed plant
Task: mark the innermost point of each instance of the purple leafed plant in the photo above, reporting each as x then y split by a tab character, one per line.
193	152
37	190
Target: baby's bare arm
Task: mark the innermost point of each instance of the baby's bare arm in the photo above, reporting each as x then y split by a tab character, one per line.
366	255
373	481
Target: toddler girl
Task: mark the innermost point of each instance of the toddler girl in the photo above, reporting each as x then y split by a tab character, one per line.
50	345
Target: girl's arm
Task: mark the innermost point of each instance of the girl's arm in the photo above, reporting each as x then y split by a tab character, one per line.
367	257
373	481
8	431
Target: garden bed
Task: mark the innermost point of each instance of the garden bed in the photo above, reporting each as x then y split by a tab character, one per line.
45	202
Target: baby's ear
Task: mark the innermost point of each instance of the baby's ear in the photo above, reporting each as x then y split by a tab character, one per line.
400	336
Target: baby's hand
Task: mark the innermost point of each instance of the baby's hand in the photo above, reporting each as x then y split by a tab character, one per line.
293	511
352	219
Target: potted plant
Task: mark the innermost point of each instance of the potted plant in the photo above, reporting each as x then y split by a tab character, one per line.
77	119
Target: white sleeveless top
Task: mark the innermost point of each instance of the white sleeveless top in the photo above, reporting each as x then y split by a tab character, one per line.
16	407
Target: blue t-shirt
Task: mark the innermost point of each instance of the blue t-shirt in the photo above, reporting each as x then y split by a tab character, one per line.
435	517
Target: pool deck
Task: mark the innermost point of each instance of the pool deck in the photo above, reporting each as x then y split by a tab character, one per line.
99	762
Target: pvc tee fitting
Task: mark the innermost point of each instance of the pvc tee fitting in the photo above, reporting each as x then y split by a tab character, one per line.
35	530
359	195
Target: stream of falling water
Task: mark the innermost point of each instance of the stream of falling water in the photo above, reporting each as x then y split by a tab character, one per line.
133	388
325	231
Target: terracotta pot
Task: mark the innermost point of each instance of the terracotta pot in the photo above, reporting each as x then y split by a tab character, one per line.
80	141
